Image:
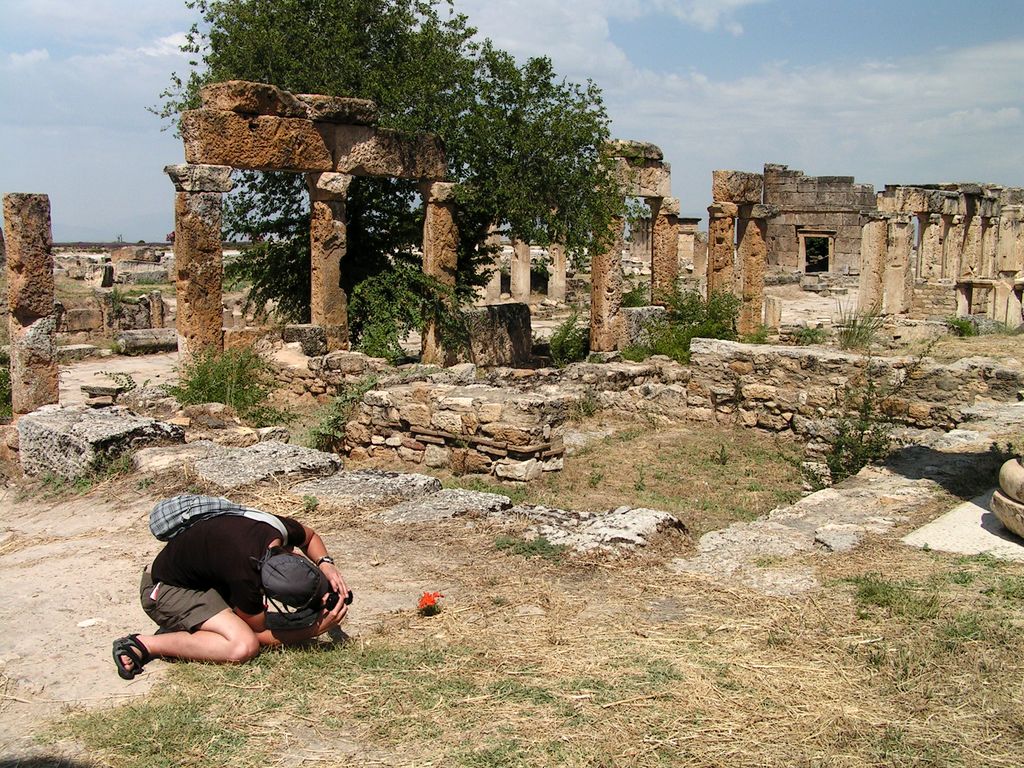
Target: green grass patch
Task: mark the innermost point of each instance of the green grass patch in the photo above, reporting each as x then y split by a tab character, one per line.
903	599
538	547
239	378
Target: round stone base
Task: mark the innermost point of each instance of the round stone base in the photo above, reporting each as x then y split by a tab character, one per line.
1011	480
1009	512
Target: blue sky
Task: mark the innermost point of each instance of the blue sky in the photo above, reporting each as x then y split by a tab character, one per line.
890	92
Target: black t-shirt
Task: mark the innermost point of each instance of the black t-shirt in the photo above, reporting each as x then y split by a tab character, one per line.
223	553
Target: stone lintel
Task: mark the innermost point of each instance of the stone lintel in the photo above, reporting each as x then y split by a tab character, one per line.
328	186
723	210
363	150
339	109
633	151
758	211
200	178
652	179
249	98
263	142
737	187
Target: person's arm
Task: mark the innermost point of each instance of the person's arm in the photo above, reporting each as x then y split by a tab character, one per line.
315	549
270	637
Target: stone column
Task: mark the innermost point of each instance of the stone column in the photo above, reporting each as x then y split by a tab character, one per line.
989	245
873	238
929	257
492	291
722	247
156	309
1010	246
606	292
970	260
556	278
952	245
440	261
520	287
753	259
328	244
32	322
665	247
198	258
898	276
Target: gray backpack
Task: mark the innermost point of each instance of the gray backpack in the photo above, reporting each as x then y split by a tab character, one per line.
172	516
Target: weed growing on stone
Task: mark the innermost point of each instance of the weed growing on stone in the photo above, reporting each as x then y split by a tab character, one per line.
636	296
570	342
961	326
585	407
688	316
856	329
538	547
239	378
329	432
757	336
807	336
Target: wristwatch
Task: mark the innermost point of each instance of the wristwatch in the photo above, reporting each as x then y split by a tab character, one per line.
325	559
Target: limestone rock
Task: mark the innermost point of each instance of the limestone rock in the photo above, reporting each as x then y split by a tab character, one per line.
200	178
522	471
583	531
500	334
633	150
637	322
839	537
265	142
339	109
251	98
69	442
235	467
736	187
1011	480
448	503
369	488
367	151
146	341
1009	512
312	338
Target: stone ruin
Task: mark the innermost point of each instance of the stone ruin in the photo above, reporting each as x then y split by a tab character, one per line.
922	252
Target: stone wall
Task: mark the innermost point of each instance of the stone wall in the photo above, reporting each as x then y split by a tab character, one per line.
826	206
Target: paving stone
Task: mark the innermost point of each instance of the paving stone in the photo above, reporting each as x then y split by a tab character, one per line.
235	467
369	488
448	503
584	531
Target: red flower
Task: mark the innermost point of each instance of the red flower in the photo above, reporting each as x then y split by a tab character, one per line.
428	603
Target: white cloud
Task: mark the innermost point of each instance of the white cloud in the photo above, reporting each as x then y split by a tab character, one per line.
27	59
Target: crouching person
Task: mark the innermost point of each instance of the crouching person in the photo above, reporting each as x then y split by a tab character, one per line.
209	587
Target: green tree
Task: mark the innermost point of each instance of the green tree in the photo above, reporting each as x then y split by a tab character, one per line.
524	145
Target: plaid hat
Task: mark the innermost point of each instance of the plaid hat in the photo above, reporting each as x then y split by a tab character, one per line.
292	582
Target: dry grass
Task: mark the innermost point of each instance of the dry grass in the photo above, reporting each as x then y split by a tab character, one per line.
999	346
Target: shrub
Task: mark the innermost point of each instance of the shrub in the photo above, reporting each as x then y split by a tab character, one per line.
862	438
857	330
329	432
806	336
636	296
570	342
239	378
688	316
757	336
961	326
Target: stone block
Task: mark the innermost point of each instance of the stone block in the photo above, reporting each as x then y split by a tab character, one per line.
446	504
229	468
70	442
339	109
146	341
368	489
500	334
311	338
264	142
81	319
654	179
367	151
633	150
737	187
200	178
249	98
521	471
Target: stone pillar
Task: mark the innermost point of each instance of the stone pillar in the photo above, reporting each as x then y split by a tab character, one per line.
929	255
688	250
665	247
198	258
874	234
32	321
492	291
440	261
520	286
989	245
722	247
556	278
328	244
606	292
753	260
156	309
970	260
1010	245
898	276
952	245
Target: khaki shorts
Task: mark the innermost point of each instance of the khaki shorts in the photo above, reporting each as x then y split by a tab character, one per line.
177	609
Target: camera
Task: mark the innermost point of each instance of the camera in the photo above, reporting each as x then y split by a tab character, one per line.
333	597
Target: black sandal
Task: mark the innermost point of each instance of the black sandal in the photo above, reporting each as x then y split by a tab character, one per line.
136	652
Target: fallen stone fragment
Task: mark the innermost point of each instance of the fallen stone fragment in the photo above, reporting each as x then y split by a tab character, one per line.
70	442
235	467
585	531
448	503
369	488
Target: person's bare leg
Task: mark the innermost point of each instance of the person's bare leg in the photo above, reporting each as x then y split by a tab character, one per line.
225	637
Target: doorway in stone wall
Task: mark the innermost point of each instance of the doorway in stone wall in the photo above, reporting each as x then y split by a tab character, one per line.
816	254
